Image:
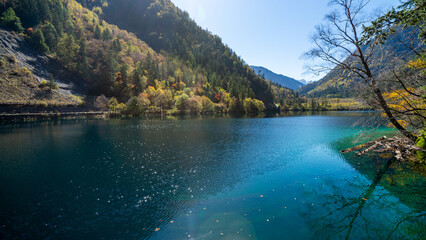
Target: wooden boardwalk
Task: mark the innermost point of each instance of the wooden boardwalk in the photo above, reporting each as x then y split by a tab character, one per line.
31	112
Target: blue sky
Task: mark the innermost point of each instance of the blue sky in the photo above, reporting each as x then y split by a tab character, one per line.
269	33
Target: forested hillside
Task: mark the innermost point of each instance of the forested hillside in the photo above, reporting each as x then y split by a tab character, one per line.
154	54
166	28
187	68
396	51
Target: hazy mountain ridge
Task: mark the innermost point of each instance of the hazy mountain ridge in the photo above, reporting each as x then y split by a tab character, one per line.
305	82
393	54
280	79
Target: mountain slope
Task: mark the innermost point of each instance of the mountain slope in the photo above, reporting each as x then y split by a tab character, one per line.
282	80
393	54
169	30
22	70
185	68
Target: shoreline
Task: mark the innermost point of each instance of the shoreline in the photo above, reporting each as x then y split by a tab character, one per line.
54	114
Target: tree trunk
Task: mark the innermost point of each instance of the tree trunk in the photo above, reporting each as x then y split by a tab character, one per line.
363	145
381	99
389	114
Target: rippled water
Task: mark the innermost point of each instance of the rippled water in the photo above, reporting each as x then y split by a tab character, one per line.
229	178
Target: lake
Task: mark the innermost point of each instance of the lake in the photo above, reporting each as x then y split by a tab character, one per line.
213	178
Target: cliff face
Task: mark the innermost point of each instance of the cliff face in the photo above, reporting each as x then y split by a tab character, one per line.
22	70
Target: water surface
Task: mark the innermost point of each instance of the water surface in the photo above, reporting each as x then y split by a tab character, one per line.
224	178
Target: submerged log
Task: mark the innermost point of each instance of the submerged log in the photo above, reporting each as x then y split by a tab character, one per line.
375	145
363	145
403	148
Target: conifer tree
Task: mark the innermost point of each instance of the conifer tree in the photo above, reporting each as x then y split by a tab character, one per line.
38	41
10	20
98	32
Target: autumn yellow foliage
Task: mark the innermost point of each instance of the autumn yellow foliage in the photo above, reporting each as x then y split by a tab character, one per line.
417	64
404	104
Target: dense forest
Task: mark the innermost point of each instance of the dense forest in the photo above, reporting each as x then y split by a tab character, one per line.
189	70
168	29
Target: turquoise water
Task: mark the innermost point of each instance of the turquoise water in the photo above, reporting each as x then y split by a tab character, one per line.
223	178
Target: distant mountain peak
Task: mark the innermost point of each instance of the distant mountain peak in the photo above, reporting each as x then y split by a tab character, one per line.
305	82
284	81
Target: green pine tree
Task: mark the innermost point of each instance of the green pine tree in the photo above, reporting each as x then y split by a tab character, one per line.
38	41
10	20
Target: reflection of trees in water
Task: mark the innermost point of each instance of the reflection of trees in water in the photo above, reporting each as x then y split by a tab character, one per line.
405	180
369	213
